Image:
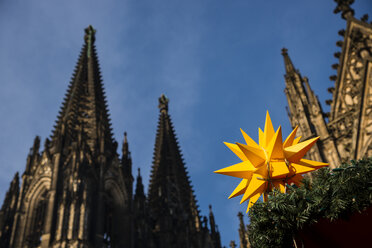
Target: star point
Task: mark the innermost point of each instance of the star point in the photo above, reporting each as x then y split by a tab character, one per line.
269	164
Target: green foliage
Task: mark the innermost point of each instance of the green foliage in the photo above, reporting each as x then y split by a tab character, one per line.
333	194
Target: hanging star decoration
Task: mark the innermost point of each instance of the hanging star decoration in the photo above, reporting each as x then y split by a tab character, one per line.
269	164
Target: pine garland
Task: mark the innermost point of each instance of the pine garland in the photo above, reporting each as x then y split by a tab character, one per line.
333	194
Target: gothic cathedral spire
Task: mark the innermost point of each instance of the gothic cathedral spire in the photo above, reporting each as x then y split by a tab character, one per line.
305	111
75	192
170	193
172	204
84	114
299	104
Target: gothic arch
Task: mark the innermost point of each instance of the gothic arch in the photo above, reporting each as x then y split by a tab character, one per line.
112	188
35	211
116	202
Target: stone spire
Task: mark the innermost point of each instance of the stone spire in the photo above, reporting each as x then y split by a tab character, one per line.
125	150
126	162
33	156
211	220
141	230
305	111
298	98
243	233
171	201
140	193
126	158
215	234
84	110
8	210
294	81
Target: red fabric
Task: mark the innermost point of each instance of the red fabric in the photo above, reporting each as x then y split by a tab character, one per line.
354	232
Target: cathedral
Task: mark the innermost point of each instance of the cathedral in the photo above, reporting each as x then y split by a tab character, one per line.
78	192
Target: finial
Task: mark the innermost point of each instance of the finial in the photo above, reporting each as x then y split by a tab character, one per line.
16	174
15	180
46	144
139	171
163	103
240	215
89	38
205	221
36	146
89	34
125	148
344	7
284	51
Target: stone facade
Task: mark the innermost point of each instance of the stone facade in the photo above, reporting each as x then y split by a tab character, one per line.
78	192
346	132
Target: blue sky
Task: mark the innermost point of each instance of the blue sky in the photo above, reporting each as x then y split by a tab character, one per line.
219	63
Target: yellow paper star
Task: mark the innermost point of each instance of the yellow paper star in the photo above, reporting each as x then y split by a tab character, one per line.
269	164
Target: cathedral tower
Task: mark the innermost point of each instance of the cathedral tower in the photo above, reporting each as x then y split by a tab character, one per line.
173	212
75	193
350	120
348	132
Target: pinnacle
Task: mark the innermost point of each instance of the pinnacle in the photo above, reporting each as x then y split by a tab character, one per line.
287	62
139	178
210	209
125	137
343	6
125	147
240	215
284	51
16	176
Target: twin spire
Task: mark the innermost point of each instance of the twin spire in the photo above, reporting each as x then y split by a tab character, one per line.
84	114
84	119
